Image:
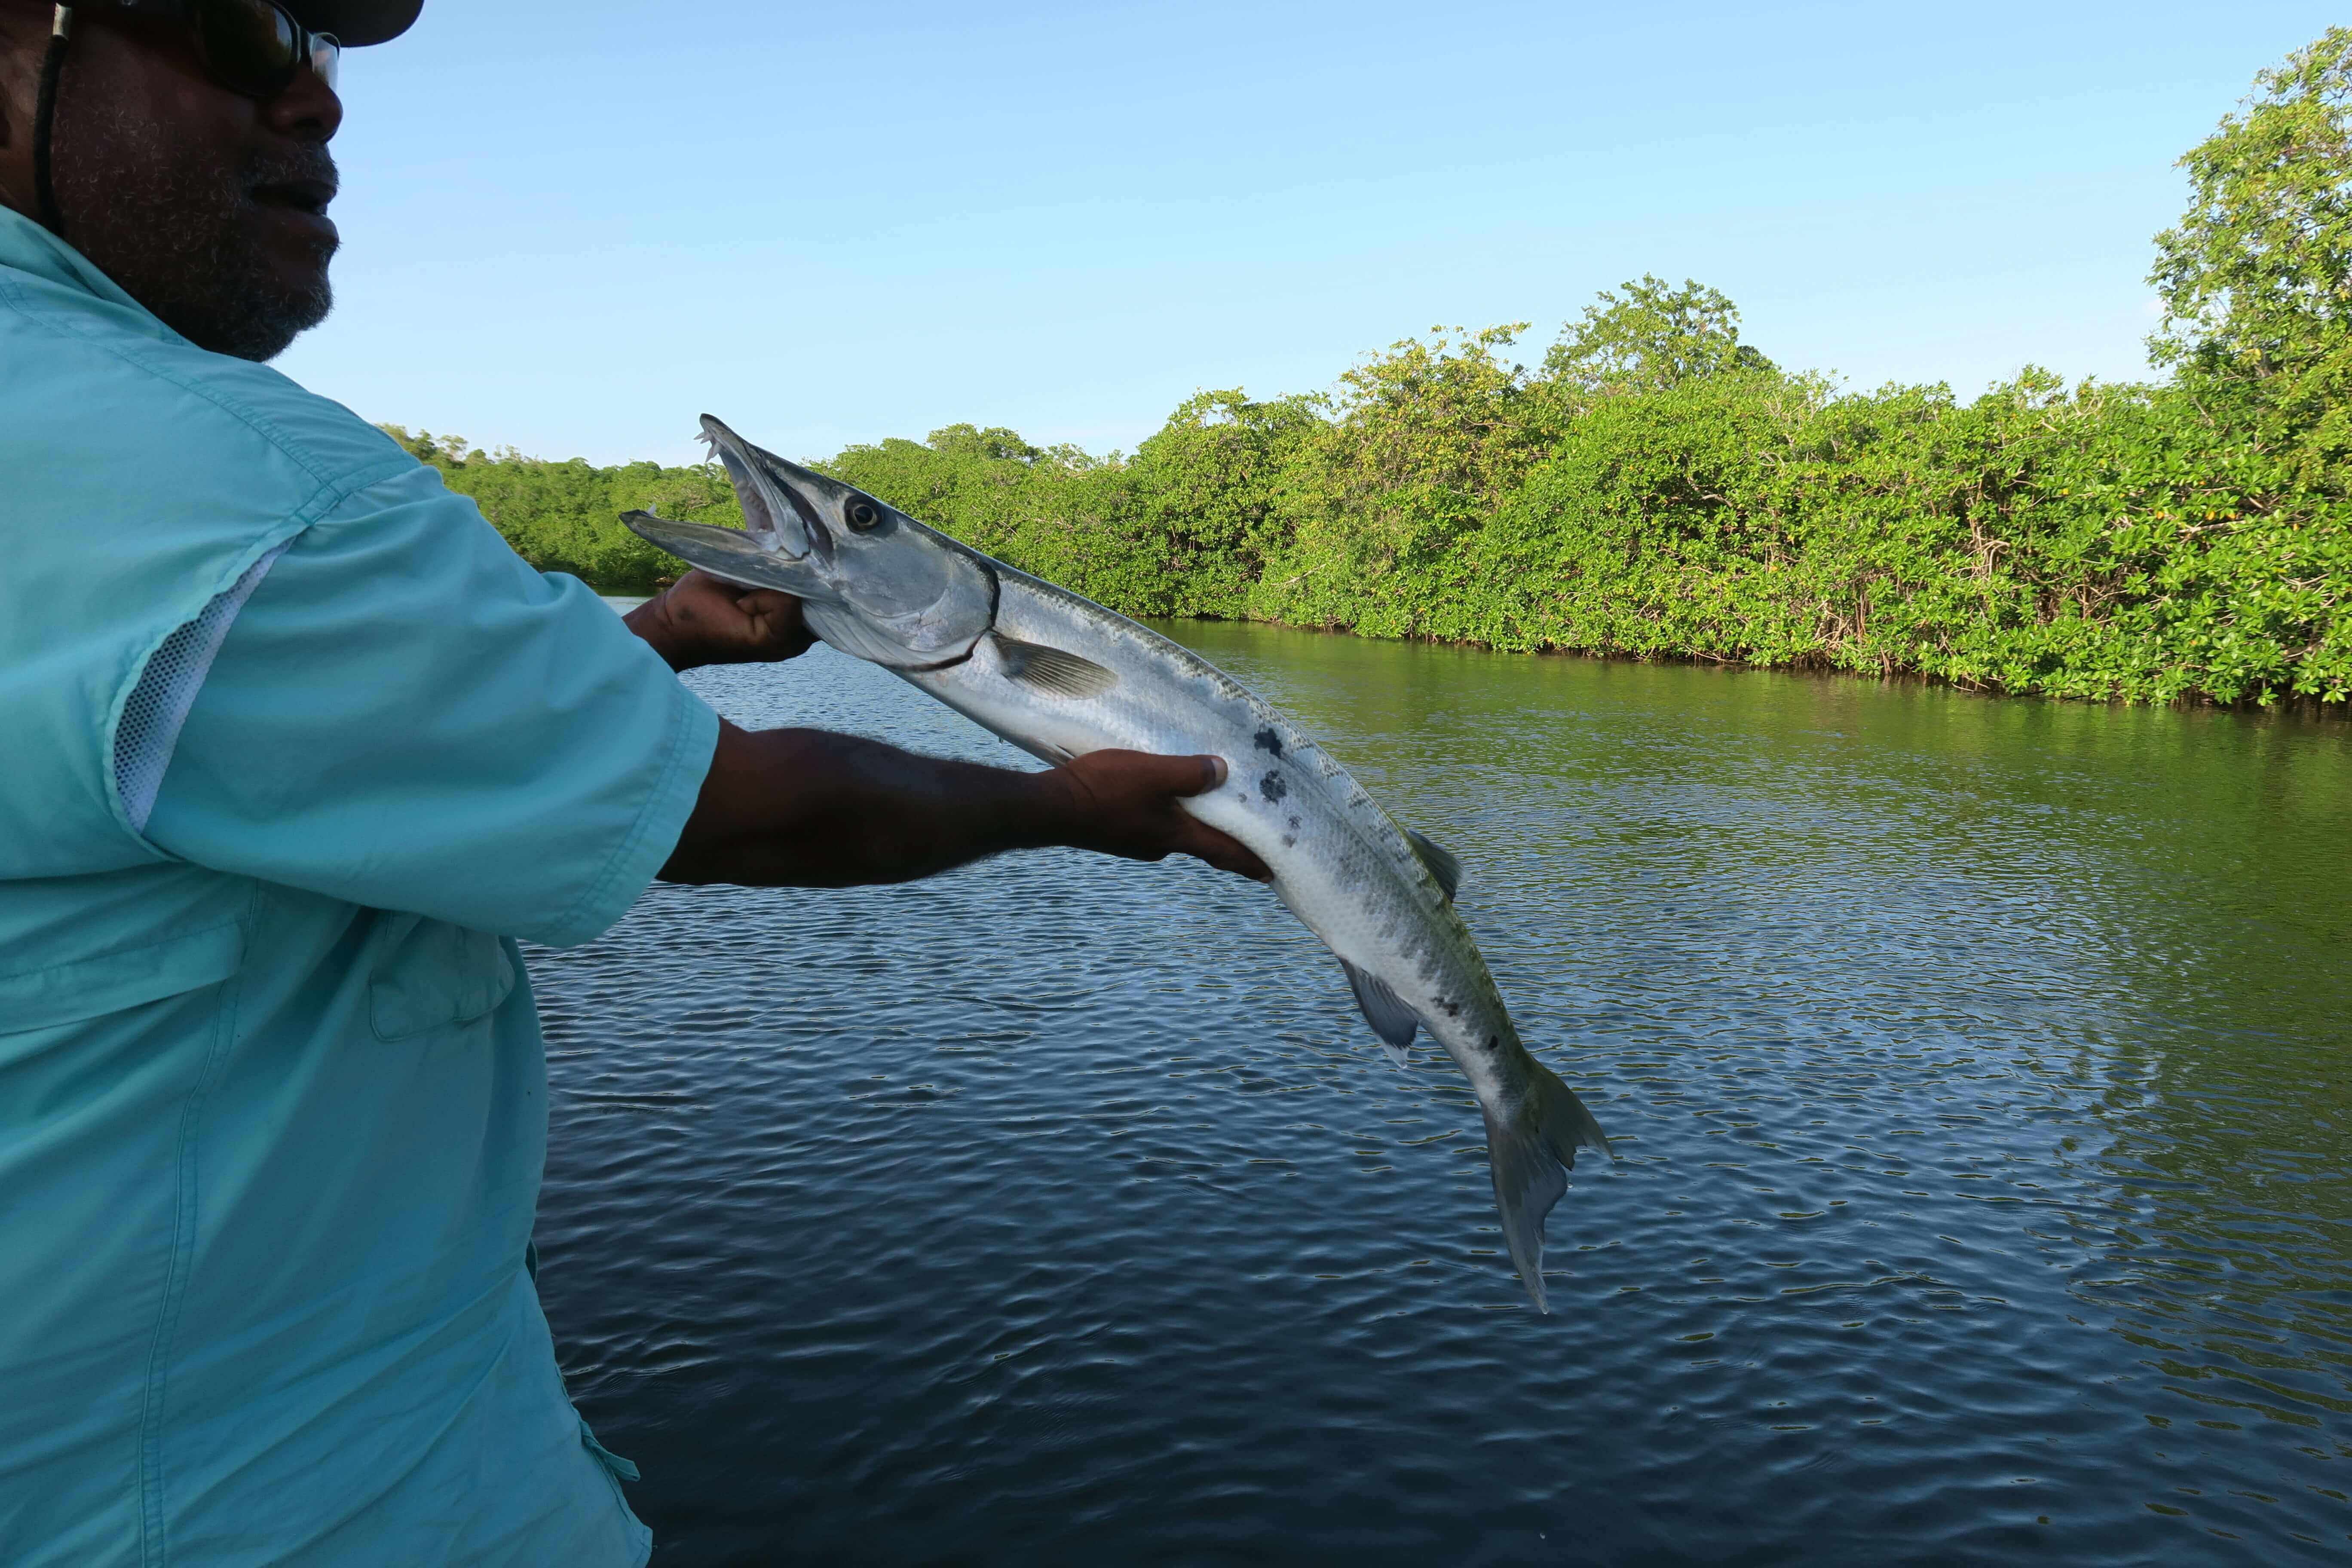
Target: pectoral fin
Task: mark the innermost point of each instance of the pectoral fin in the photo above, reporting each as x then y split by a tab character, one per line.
1439	860
1051	670
1390	1019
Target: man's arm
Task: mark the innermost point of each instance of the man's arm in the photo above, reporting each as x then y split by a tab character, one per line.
807	808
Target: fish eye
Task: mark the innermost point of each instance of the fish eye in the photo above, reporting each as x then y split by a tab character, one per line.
863	515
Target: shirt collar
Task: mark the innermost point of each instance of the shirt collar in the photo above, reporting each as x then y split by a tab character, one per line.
26	247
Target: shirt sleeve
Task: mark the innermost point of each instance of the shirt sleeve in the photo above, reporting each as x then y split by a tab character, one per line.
405	715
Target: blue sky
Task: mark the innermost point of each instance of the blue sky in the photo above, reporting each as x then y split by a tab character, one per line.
574	227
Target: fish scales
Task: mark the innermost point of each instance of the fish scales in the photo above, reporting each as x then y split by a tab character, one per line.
1060	675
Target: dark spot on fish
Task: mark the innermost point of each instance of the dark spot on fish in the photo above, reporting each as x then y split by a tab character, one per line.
1290	841
1453	1009
1494	1042
1268	740
1272	787
1294	824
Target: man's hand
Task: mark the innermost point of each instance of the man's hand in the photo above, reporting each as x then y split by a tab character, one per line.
1124	803
804	808
701	619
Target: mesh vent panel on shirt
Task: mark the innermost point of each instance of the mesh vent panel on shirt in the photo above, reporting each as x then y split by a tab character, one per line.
167	688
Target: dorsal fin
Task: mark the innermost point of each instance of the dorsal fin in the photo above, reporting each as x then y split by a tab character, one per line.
1439	860
1052	669
1390	1019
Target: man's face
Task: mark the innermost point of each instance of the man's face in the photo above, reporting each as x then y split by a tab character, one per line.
207	208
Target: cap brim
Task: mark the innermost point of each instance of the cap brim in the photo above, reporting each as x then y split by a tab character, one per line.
357	23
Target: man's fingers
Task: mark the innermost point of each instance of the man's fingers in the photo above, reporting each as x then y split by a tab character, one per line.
698	581
718	622
1227	854
751	600
1133	795
766	602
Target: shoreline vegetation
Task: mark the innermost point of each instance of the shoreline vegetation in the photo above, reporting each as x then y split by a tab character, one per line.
1654	488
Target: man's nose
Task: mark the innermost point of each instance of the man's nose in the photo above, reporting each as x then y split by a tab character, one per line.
306	111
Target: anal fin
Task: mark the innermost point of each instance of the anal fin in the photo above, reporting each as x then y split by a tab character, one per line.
1390	1019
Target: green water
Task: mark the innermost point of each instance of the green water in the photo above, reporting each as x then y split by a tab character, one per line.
1977	1070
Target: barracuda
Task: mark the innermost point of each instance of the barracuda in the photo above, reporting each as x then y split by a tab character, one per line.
1059	676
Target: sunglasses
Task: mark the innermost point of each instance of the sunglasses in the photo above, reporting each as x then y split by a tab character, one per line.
253	48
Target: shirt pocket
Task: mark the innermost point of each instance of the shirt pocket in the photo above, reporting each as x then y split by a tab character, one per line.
427	974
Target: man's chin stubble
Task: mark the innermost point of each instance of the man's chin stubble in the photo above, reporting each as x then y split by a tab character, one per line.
237	301
186	242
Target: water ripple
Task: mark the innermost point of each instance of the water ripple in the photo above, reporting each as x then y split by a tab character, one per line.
1975	1071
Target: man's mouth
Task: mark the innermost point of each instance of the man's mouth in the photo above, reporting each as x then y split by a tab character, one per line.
309	196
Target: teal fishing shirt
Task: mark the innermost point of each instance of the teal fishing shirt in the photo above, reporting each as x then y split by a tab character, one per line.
291	748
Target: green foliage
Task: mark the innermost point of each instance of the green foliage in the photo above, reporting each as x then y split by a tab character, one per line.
566	517
2257	277
1653	338
1416	450
1657	489
2094	542
1212	492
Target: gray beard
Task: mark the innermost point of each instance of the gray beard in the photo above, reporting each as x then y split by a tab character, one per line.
176	235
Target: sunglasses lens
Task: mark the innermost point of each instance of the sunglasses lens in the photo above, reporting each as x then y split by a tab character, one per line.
250	45
326	58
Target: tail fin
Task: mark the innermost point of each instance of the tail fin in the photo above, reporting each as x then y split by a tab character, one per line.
1530	1155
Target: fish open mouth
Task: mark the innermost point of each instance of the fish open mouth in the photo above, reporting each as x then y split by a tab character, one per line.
772	509
758	516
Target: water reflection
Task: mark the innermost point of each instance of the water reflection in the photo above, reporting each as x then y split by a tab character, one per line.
1975	1069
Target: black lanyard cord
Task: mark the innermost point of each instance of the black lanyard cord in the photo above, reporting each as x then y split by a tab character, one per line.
45	112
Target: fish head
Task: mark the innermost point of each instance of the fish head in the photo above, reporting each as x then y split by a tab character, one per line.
882	587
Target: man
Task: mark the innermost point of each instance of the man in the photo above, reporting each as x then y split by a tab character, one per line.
291	748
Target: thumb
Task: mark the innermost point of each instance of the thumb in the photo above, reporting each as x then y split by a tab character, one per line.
1210	772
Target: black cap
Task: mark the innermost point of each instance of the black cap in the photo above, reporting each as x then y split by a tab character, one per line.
357	23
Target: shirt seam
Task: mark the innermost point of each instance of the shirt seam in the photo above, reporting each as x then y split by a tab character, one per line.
577	924
315	508
155	1544
157	738
243	413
